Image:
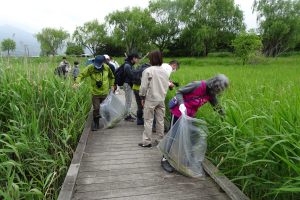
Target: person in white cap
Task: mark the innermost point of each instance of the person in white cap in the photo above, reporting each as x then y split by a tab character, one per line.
109	63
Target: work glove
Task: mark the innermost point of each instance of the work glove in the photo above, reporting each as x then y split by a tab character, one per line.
182	109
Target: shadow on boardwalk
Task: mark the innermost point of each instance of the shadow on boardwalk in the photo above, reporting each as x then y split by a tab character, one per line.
113	166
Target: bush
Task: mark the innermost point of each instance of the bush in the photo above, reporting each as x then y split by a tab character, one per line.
246	45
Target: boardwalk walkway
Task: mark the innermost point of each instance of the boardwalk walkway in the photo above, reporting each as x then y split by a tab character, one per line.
113	166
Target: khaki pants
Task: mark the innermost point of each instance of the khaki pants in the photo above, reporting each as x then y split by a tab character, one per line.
128	98
151	108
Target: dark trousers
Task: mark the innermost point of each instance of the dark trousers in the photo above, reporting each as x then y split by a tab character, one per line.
139	112
96	100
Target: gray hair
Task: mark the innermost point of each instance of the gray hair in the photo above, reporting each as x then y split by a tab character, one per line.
218	83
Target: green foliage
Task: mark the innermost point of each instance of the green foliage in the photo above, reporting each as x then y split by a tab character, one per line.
247	45
91	35
211	24
74	49
166	27
132	28
51	40
279	25
257	143
8	45
41	120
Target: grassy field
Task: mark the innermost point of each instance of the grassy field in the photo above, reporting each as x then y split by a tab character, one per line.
257	145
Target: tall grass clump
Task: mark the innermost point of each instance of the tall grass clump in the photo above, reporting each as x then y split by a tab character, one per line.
257	144
41	118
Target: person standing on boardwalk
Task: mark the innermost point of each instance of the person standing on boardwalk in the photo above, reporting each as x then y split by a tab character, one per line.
102	80
172	66
190	98
131	60
136	90
153	90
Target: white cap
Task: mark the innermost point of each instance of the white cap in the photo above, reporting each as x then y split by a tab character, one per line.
106	56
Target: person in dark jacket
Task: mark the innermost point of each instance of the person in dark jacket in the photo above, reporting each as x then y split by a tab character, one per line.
136	88
131	60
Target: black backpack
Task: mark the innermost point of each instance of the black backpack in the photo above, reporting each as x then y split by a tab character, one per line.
120	75
137	75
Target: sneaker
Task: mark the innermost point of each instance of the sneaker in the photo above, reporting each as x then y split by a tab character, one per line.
166	166
129	118
145	146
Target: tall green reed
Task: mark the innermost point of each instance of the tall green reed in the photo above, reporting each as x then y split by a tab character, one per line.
41	121
257	145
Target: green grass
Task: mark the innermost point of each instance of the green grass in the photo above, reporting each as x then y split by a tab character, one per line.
257	145
41	121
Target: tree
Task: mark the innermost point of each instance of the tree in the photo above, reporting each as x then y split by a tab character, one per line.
210	24
74	49
51	40
166	26
246	45
8	45
91	35
279	25
132	28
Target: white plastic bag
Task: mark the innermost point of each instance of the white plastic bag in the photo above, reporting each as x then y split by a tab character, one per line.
112	110
184	146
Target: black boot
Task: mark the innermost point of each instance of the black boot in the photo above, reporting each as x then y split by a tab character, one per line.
95	125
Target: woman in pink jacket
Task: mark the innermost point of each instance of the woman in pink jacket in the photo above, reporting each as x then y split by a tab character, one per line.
191	97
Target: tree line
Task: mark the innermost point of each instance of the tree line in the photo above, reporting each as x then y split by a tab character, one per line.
183	28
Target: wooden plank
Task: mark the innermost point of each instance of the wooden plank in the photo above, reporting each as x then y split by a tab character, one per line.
150	169
155	181
190	196
116	167
231	190
93	157
198	189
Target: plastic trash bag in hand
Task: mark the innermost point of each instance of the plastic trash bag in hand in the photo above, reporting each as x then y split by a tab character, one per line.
184	146
112	110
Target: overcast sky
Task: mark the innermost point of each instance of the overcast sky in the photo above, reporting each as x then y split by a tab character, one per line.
33	15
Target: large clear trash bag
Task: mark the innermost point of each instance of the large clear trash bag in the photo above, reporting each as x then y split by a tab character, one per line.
112	110
184	146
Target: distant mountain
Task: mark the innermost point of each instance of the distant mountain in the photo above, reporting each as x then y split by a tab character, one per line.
23	40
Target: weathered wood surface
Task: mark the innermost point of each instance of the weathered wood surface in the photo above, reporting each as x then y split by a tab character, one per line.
113	166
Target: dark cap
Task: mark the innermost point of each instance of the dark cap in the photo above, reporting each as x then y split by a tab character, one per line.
134	55
98	62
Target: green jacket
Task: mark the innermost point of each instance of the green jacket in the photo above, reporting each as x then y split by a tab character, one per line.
106	76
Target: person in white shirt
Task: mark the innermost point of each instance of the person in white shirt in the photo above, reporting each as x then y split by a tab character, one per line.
170	67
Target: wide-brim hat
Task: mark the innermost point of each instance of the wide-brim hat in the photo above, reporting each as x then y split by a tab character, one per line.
98	62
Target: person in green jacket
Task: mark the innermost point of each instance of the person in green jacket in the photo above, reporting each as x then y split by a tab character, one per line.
102	81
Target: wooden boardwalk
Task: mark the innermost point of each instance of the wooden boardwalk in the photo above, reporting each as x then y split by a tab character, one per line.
113	166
